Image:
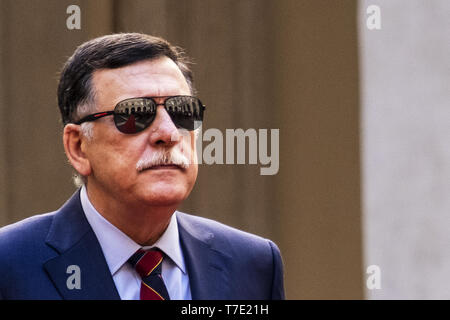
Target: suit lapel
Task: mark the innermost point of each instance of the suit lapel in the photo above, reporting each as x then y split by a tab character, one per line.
72	237
207	267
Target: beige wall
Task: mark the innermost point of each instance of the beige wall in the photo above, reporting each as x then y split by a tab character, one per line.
287	64
318	185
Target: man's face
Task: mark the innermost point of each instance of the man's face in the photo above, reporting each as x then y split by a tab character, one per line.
114	156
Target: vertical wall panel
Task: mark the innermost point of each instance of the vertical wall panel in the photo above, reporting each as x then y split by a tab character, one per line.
4	190
318	190
406	147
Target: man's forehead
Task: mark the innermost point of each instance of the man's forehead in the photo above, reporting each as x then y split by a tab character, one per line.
155	77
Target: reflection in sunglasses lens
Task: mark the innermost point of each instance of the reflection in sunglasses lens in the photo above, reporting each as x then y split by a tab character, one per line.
136	114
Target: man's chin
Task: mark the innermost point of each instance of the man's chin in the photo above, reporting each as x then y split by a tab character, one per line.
163	202
164	198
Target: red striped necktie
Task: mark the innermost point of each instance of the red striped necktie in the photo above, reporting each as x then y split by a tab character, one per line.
148	265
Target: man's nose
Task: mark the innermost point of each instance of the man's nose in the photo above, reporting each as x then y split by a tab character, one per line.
163	131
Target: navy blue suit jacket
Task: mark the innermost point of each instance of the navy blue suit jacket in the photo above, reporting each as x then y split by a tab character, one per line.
222	262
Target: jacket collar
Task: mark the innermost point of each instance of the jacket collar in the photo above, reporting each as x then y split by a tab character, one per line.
208	268
72	237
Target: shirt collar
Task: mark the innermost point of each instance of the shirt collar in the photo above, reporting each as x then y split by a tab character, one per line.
118	247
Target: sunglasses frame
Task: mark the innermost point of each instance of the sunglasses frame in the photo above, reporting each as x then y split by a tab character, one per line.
98	115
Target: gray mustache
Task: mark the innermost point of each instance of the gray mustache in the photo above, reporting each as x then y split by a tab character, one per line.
163	157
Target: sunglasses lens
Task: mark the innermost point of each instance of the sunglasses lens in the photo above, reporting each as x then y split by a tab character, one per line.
134	115
186	112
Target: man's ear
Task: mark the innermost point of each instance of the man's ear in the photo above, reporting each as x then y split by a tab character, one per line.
74	146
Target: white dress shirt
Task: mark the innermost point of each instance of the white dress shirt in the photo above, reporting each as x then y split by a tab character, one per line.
118	248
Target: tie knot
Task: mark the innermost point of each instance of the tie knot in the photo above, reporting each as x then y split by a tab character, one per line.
147	262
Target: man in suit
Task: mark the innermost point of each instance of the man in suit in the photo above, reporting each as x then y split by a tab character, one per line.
130	117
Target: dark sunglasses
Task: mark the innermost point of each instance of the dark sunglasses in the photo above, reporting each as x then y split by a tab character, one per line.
136	114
